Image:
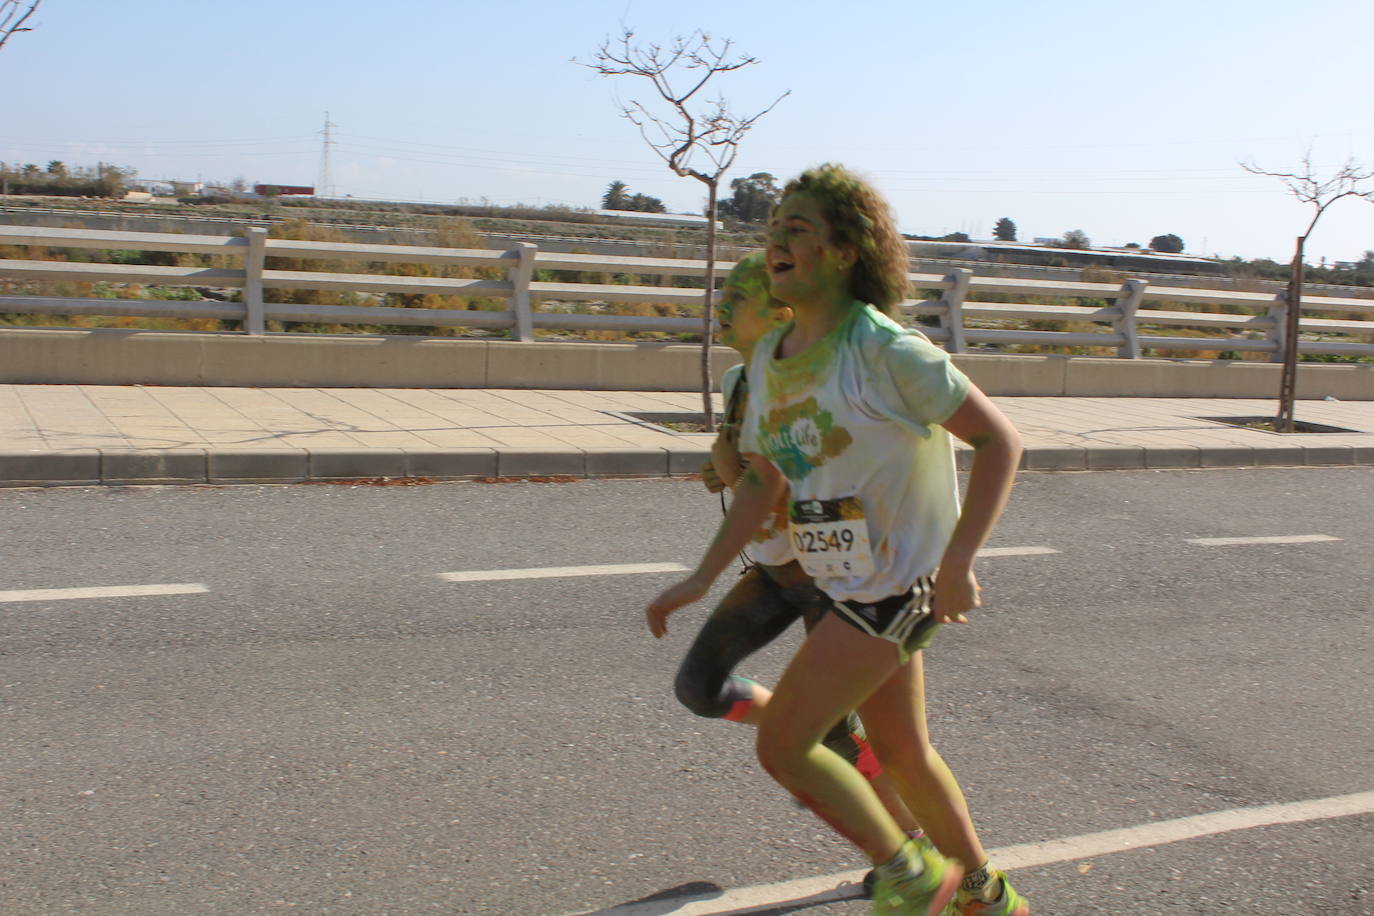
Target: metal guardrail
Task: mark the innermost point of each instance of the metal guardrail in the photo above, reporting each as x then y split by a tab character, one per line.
961	321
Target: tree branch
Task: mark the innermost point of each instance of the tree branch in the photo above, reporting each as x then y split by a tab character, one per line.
712	134
680	134
11	8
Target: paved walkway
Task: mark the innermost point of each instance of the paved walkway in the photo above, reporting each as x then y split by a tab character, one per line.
86	434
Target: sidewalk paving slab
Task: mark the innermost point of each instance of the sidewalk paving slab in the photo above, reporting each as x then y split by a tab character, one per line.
53	435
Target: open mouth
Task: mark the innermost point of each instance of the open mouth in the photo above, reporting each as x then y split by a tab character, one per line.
778	263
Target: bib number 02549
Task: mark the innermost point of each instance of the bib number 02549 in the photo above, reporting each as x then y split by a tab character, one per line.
830	537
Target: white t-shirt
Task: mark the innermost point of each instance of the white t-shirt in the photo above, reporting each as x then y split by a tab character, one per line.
857	415
771	545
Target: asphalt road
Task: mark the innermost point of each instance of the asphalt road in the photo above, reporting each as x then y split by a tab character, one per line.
330	727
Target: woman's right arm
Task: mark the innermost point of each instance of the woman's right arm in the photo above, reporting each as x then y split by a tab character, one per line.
726	464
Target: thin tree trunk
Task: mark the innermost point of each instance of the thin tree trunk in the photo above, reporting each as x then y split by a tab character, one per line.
1288	384
709	309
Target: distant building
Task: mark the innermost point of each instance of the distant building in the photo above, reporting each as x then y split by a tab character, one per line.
657	219
283	190
1044	249
154	186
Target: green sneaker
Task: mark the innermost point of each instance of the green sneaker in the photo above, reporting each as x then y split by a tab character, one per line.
1008	902
872	875
899	892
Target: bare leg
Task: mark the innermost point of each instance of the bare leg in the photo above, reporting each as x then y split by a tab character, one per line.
835	670
896	722
753	613
892	801
883	785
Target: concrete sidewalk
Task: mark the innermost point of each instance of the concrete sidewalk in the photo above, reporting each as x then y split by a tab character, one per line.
87	434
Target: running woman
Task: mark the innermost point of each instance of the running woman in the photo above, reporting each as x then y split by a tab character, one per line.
850	417
774	591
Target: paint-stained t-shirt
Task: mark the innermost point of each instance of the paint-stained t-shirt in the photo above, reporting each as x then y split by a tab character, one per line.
858	414
770	545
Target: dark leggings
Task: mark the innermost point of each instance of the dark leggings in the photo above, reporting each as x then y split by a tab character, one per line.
753	613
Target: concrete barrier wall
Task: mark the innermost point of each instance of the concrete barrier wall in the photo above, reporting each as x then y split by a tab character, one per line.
1088	377
119	357
130	357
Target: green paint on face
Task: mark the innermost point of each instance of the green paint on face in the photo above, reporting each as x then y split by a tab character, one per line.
750	276
807	267
747	312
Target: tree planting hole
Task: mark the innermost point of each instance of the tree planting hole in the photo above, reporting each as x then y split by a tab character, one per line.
673	422
1266	424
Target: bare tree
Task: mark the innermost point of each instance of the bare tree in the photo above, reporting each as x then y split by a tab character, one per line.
12	16
1321	193
700	144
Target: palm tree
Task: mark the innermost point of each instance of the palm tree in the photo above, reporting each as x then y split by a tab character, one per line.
614	198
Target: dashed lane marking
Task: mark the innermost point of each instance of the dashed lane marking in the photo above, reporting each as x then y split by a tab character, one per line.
559	572
1016	551
807	892
627	569
1281	539
107	591
1183	828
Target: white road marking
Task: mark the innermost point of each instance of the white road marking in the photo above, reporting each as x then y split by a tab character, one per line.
1282	539
627	569
1016	551
805	892
1184	828
108	591
558	572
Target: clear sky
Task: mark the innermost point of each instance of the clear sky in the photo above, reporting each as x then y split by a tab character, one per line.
1125	120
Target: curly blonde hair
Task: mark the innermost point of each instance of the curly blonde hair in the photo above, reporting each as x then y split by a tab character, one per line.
860	217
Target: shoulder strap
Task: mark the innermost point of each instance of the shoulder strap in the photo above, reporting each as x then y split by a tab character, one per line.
734	410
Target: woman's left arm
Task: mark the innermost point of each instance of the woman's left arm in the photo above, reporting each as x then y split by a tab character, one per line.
996	455
757	492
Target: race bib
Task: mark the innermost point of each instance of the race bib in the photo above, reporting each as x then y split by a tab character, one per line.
830	537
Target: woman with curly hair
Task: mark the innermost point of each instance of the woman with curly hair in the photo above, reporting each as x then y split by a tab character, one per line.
773	592
850	415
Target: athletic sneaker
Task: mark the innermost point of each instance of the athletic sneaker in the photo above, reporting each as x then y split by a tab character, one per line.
871	875
907	894
1009	903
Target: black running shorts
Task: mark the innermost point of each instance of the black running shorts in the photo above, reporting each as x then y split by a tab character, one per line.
906	620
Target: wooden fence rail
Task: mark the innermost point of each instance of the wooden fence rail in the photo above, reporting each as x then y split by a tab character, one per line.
1256	326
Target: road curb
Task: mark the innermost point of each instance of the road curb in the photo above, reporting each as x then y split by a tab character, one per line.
176	466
